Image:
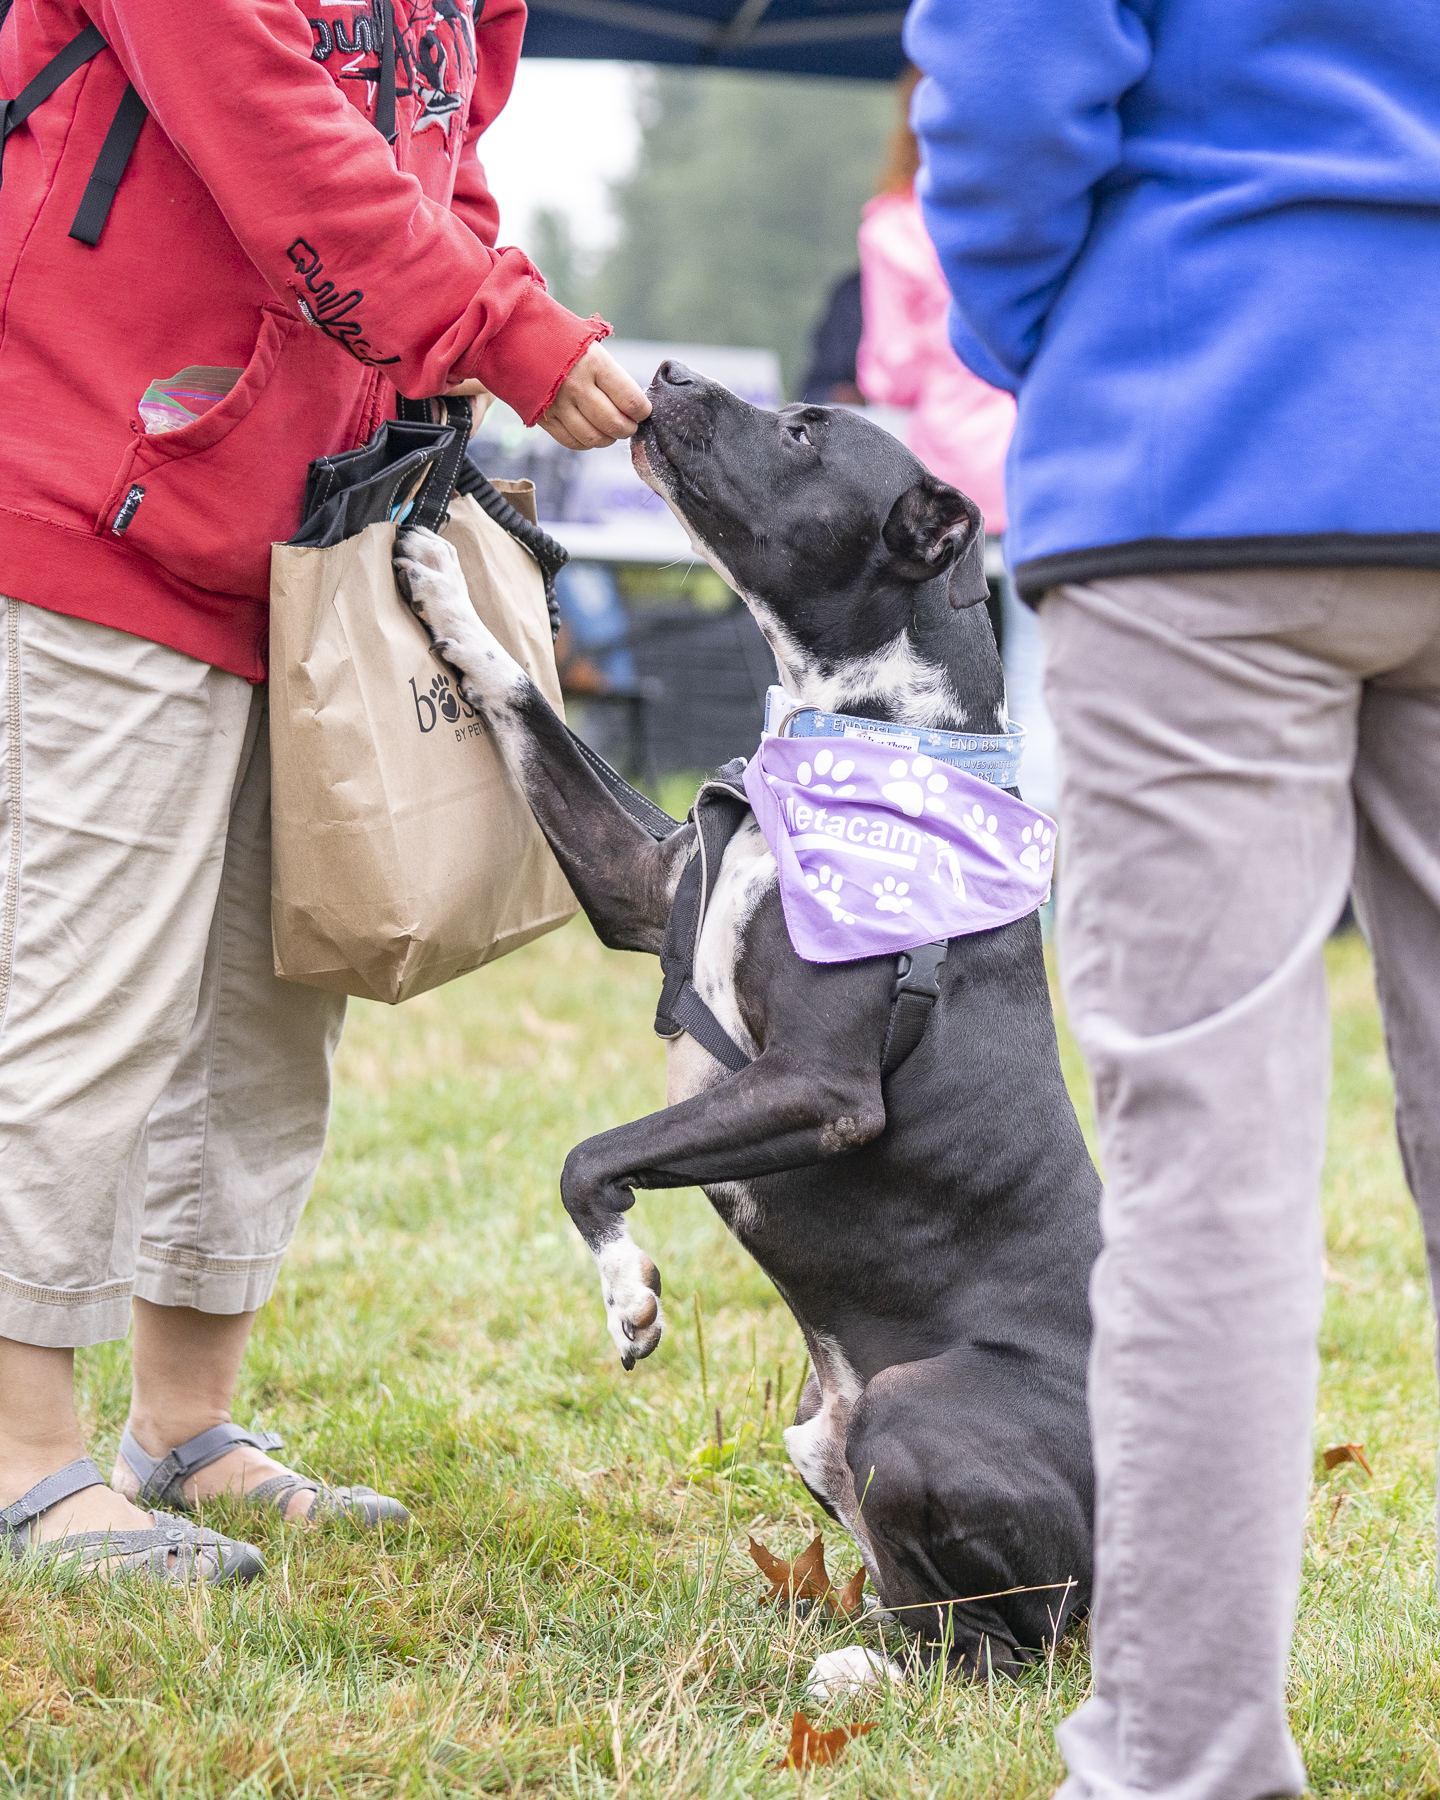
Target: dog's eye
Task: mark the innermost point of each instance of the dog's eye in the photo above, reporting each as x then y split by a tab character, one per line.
799	433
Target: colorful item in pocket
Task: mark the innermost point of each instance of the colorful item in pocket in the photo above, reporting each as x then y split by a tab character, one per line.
171	401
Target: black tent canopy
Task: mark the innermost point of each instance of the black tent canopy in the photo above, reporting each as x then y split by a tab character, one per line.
792	37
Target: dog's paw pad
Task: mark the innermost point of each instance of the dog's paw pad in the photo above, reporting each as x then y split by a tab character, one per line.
892	896
1039	842
851	1671
826	766
906	790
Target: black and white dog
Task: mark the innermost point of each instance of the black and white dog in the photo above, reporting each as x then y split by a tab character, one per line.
932	1232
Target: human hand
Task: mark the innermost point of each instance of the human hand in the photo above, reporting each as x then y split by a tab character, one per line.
476	392
597	403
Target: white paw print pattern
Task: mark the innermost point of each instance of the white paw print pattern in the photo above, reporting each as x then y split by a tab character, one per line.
825	764
1039	841
890	897
979	826
826	889
906	791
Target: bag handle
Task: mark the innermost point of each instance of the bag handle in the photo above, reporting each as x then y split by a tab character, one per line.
468	478
431	506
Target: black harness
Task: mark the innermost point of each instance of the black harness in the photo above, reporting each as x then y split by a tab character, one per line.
721	808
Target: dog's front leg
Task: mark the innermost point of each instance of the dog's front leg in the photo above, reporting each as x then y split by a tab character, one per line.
776	1114
619	874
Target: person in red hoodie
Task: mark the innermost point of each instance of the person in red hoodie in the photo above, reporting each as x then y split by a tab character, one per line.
293	207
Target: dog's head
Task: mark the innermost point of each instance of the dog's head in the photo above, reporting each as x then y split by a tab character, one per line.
862	569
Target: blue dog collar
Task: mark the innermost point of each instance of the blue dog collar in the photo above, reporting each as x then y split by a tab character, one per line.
988	757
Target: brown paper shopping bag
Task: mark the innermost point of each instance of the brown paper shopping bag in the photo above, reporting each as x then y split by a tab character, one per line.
404	854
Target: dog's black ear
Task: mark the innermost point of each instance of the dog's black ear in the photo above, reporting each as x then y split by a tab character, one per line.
933	527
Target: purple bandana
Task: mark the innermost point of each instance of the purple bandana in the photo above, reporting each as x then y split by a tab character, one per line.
881	851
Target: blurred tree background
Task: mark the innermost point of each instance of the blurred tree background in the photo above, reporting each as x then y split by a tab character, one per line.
739	215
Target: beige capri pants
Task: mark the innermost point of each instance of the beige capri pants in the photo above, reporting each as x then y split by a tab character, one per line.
163	1097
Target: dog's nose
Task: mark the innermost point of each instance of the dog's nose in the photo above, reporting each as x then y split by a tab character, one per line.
675	374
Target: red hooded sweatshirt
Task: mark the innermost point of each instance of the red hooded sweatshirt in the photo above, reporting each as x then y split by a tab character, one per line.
262	223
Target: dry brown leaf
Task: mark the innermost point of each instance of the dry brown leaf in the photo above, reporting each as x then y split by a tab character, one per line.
809	1746
806	1578
1347	1453
846	1599
802	1579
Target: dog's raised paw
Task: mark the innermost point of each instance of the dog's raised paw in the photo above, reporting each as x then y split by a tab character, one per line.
630	1288
428	576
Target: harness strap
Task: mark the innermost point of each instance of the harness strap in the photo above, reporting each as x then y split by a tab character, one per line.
912	1000
646	814
99	195
691	1014
720	809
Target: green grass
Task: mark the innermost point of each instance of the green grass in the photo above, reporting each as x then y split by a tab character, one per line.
572	1611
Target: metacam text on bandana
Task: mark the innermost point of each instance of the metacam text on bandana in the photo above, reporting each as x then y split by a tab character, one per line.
880	851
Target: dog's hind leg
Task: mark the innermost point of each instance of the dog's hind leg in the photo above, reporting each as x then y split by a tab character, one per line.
620	875
980	1537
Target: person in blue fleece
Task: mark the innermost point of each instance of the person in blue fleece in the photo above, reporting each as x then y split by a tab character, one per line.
1201	244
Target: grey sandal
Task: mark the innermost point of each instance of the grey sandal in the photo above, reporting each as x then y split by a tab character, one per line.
198	1555
162	1479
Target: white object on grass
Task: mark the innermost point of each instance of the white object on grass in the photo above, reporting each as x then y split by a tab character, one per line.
850	1671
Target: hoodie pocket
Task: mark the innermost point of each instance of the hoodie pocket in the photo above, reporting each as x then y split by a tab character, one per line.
207	501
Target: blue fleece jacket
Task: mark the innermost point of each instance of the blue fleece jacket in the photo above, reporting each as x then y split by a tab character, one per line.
1200	240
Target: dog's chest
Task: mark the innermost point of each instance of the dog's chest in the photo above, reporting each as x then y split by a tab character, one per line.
747	872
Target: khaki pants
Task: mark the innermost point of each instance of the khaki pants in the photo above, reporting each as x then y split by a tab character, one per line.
1234	750
163	1098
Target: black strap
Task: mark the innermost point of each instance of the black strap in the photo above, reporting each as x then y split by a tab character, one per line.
385	93
721	808
431	506
646	814
59	69
551	557
917	988
99	195
691	1014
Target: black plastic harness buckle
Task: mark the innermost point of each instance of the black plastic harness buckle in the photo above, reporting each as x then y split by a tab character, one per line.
912	1000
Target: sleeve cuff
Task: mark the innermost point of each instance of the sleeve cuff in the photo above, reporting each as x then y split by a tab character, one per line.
526	361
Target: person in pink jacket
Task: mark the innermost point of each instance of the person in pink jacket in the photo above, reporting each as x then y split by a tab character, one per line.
959	426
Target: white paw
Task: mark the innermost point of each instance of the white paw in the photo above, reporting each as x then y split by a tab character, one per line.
906	790
981	827
826	889
438	593
851	1671
825	764
1040	846
630	1288
428	573
890	898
